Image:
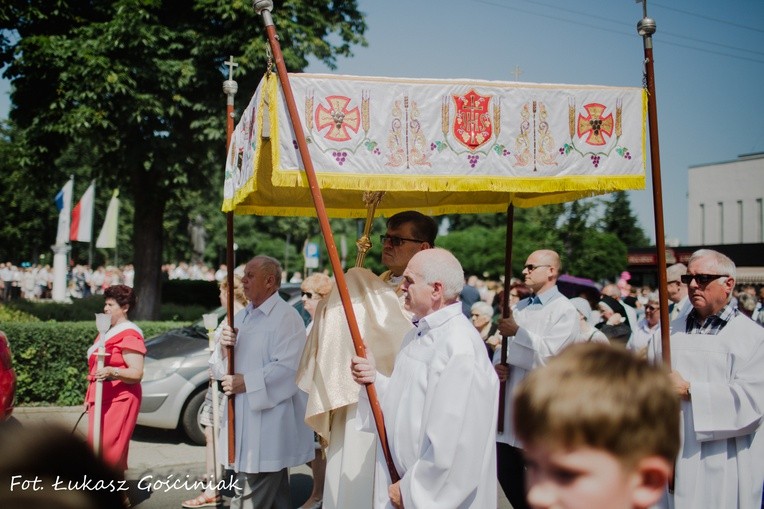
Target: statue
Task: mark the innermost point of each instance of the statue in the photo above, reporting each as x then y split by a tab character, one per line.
198	237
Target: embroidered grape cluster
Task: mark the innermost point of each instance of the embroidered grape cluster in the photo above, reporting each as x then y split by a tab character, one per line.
473	159
627	155
294	144
376	151
595	160
339	157
433	146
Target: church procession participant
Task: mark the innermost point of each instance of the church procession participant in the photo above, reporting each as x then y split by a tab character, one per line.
538	329
717	358
332	393
270	435
439	402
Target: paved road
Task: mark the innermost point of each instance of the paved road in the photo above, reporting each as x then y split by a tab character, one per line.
156	457
163	456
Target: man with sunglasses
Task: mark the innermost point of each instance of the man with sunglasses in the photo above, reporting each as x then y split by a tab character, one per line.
718	372
538	329
407	233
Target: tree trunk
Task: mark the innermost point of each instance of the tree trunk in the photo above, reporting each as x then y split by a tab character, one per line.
148	235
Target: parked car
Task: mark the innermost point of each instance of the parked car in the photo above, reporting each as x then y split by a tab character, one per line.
7	379
176	375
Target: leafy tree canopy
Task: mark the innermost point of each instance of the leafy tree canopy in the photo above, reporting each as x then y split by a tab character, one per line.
128	92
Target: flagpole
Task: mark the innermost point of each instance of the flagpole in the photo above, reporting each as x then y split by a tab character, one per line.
230	87
646	28
263	8
92	223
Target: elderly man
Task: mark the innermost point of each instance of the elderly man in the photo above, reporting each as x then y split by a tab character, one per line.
677	291
718	372
268	338
440	401
382	320
614	292
539	328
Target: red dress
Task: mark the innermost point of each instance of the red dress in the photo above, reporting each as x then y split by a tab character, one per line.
121	401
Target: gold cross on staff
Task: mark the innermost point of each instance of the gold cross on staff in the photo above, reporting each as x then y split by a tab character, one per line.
517	72
231	64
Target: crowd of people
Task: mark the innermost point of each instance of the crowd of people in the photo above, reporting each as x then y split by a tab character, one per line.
562	401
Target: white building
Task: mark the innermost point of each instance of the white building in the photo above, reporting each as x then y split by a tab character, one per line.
725	202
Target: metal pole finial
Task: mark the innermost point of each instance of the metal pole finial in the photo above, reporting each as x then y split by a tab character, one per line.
263	8
230	87
262	5
646	27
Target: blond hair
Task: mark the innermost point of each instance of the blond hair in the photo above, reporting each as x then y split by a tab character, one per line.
238	290
603	397
317	283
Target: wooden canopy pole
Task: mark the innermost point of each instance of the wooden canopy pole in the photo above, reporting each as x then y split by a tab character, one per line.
230	87
505	307
646	28
263	8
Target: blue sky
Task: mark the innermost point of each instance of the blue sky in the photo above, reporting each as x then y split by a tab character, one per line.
709	66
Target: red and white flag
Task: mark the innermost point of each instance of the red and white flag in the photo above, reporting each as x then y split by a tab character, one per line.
82	217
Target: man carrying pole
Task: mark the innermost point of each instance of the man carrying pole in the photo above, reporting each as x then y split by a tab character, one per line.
440	401
271	436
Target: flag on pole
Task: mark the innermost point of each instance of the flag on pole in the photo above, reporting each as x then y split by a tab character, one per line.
108	236
64	206
82	217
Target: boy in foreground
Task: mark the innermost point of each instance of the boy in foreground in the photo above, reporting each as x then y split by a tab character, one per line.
600	430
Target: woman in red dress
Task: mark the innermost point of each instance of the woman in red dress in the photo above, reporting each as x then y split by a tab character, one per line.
121	375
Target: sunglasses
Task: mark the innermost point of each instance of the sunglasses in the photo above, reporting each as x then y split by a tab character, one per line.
650	308
397	241
702	279
530	267
310	295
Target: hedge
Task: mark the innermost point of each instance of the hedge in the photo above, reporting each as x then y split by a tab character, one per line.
50	358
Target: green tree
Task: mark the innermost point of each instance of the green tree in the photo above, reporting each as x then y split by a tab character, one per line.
129	92
620	220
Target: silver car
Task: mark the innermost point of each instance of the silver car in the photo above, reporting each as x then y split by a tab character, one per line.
176	375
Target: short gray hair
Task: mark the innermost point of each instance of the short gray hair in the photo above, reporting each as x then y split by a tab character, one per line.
721	262
482	308
444	267
271	266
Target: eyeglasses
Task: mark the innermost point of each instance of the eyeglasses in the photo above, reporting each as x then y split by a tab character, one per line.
397	241
702	279
650	308
530	267
310	295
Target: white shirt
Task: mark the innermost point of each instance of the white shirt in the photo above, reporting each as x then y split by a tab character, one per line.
545	329
721	460
270	430
440	408
643	336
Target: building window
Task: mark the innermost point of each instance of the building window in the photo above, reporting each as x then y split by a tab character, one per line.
702	224
740	221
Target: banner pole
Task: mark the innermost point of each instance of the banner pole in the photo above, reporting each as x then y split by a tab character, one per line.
263	8
230	87
646	28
